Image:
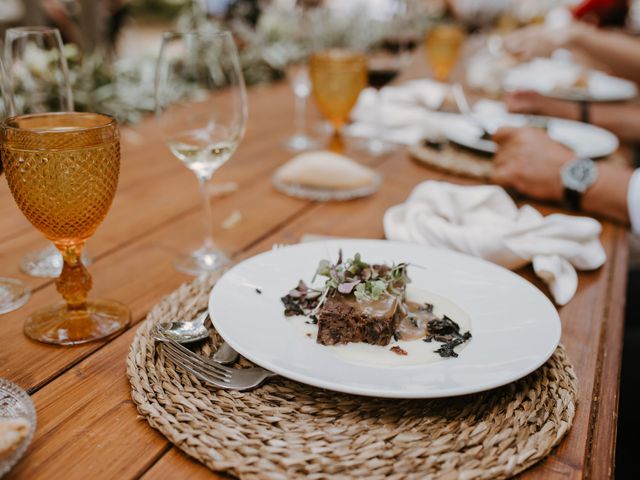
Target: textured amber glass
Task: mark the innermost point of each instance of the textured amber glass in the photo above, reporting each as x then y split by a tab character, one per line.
337	77
442	46
62	170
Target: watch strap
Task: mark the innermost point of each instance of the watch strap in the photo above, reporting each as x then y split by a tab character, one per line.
572	199
585	114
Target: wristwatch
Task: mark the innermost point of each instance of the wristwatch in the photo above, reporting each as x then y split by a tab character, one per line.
577	176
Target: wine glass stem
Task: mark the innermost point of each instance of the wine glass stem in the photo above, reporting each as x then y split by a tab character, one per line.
300	114
337	141
208	220
74	282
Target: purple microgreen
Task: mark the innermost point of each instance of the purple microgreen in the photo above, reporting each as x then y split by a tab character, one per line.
347	287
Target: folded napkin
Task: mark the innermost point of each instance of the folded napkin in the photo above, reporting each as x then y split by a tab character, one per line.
485	222
400	114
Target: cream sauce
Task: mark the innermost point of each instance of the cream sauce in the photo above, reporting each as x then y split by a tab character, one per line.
418	351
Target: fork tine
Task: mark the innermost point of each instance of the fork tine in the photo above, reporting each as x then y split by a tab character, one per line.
192	362
198	374
221	369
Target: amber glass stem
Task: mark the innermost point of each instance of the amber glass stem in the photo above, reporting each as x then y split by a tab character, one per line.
74	282
337	141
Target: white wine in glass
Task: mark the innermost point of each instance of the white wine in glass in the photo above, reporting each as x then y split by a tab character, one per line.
201	107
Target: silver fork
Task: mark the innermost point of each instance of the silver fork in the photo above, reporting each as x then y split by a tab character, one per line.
463	105
209	371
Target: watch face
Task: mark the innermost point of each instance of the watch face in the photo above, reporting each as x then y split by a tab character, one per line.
579	175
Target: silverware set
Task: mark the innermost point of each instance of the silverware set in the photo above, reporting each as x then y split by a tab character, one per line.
213	371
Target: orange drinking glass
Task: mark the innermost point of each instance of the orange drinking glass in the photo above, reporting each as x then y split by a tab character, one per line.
442	45
337	78
62	170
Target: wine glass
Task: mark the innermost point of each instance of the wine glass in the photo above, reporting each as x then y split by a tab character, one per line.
40	81
298	76
386	60
62	169
201	107
442	45
13	292
337	76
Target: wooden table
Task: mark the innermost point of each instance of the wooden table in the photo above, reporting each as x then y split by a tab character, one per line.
87	424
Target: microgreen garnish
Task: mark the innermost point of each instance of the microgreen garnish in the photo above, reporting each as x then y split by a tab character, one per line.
352	276
365	281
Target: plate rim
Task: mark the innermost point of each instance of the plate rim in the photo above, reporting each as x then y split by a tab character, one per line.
492	147
369	392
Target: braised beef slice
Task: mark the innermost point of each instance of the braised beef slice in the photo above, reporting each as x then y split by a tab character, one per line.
342	319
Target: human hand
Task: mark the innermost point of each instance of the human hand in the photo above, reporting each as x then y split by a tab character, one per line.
530	162
530	102
534	41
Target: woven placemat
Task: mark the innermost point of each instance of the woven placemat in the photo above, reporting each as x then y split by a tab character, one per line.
287	430
457	160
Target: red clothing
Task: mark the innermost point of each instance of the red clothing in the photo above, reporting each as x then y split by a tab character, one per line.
602	12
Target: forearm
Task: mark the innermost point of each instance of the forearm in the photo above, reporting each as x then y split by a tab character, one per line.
608	195
617	50
619	118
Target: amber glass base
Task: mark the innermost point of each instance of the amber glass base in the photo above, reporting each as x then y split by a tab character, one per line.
58	325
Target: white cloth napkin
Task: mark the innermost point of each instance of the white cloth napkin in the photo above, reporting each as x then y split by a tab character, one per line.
400	114
485	222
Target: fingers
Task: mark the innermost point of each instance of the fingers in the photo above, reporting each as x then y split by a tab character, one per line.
503	134
501	175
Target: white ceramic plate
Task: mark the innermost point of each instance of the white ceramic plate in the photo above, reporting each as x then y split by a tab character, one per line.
584	139
556	78
515	327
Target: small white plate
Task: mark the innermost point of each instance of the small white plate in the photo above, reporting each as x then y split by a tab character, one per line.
515	327
584	139
554	77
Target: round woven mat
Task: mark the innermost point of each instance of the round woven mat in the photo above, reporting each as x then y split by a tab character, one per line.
450	158
287	430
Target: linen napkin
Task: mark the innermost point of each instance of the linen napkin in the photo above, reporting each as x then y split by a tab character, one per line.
483	221
400	114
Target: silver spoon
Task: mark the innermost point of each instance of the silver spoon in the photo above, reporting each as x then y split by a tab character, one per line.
195	330
225	354
189	331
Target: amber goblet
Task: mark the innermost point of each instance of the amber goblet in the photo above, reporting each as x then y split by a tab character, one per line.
62	170
442	45
337	78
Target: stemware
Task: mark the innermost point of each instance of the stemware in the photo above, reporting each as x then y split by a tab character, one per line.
386	60
442	45
40	80
13	292
62	169
298	76
337	76
201	107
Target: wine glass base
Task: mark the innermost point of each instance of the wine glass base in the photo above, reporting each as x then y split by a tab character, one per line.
203	260
58	325
47	263
13	294
378	148
300	143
